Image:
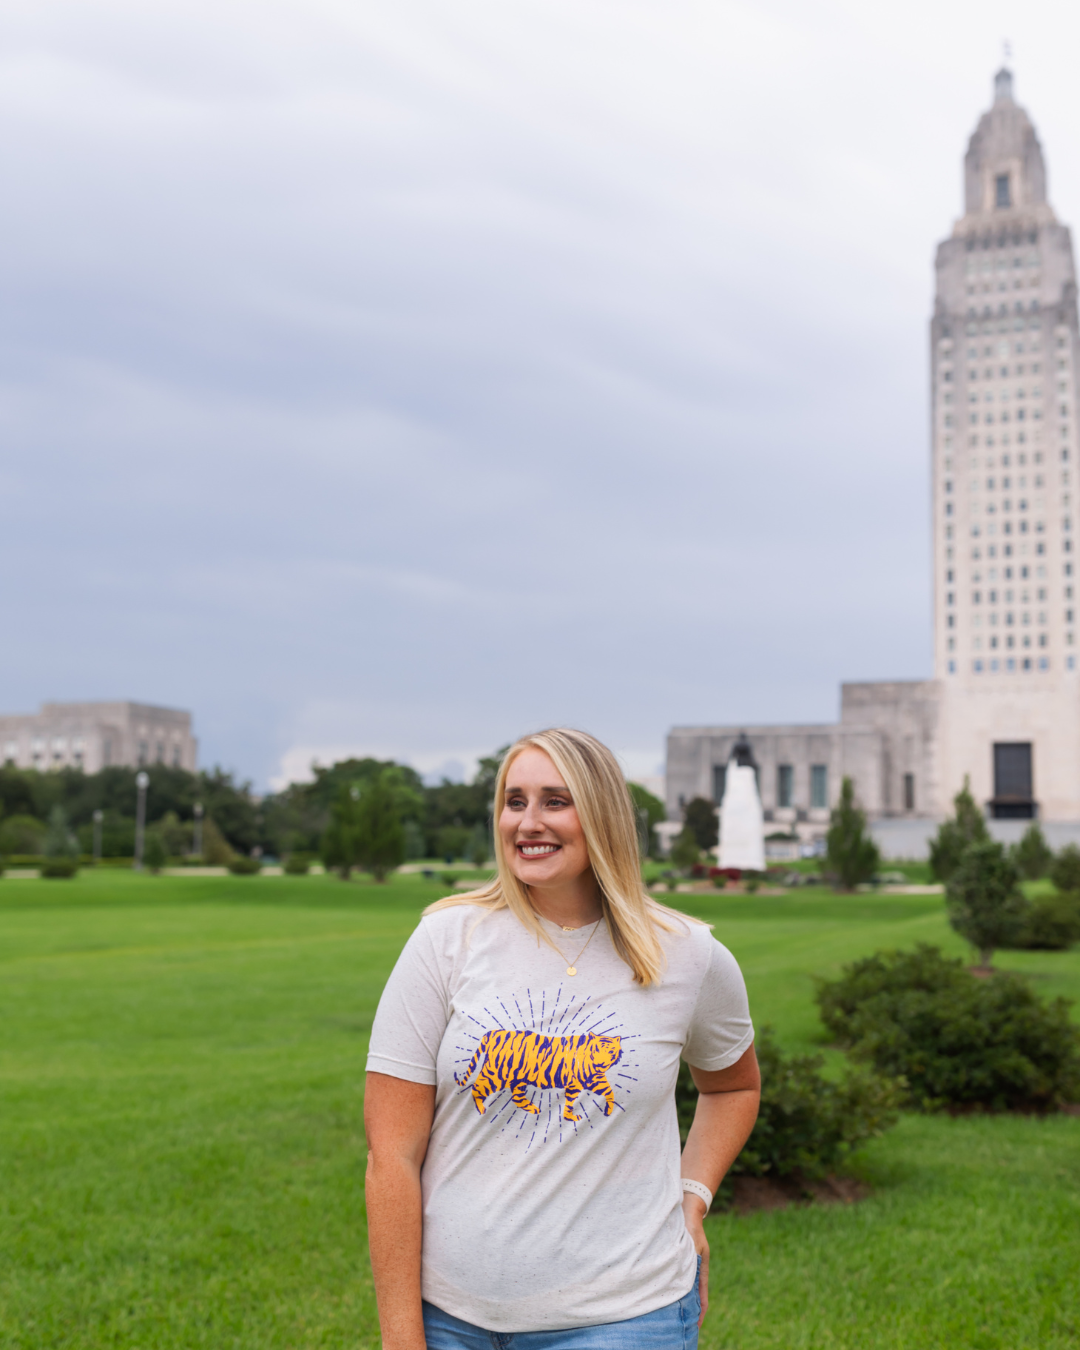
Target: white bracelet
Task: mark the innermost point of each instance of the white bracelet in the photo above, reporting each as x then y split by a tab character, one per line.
700	1190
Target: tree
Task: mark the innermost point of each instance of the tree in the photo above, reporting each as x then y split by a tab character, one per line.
479	850
1032	855
379	827
215	847
700	817
851	853
1065	869
451	842
22	834
155	854
339	844
983	899
59	840
650	812
685	851
956	834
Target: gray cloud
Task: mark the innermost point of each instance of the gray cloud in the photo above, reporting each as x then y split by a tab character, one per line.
403	377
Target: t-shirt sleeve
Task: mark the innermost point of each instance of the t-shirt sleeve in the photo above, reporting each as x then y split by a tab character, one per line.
720	1030
412	1014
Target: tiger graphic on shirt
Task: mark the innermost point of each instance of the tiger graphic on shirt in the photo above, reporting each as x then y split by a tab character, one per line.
519	1060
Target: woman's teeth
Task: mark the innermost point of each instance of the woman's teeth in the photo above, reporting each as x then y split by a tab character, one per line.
537	850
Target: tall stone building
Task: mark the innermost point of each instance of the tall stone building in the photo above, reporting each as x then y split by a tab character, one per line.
1003	707
93	736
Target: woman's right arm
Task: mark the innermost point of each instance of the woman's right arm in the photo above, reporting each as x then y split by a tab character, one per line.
397	1120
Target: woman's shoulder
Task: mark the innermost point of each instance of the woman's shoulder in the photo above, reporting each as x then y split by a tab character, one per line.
450	922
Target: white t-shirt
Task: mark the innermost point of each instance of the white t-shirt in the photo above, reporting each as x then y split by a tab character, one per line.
551	1194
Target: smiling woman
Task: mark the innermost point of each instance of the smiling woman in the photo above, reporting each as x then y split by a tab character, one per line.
524	1175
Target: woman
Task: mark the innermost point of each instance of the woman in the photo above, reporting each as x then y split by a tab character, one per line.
524	1188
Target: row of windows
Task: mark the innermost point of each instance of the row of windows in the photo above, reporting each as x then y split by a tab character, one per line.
999	264
1009	664
785	785
1009	641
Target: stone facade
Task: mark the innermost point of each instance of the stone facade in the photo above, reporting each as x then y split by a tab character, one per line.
1004	706
93	736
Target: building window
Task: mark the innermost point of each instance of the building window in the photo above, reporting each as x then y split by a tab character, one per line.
785	784
176	756
719	779
142	752
819	786
160	752
909	792
106	752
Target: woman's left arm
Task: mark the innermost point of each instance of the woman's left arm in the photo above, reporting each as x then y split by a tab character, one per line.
726	1110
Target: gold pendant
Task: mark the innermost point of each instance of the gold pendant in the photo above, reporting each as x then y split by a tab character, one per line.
571	970
568	930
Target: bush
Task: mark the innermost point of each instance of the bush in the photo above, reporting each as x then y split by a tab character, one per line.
154	853
957	1041
954	836
298	864
852	855
1052	923
22	834
984	901
685	851
240	866
1065	869
807	1123
703	822
58	868
1032	855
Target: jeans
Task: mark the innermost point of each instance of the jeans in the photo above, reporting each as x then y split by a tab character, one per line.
671	1328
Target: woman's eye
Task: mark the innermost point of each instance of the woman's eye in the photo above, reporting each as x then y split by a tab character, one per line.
557	801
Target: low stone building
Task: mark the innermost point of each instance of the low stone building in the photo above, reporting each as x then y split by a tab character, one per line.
93	736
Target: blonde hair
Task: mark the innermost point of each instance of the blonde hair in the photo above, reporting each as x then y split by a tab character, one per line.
609	823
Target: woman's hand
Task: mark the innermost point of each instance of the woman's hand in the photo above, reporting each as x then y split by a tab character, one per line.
693	1208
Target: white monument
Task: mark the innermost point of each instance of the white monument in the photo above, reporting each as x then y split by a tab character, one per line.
742	822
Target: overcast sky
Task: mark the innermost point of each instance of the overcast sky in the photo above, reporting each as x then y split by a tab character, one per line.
395	377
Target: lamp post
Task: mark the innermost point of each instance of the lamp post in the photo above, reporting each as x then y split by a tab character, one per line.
197	838
142	782
99	816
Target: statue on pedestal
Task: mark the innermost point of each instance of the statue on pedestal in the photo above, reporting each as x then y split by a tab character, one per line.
742	822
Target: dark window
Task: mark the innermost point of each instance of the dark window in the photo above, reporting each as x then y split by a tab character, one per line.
1001	190
142	752
1013	781
819	785
719	778
785	784
909	792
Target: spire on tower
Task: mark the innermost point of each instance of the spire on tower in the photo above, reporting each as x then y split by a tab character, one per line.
1003	85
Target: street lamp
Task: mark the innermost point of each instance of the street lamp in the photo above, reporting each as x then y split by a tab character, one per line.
197	840
99	816
142	782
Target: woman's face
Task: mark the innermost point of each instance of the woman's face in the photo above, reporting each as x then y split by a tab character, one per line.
539	826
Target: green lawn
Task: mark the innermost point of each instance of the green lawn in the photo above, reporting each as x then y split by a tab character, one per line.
181	1156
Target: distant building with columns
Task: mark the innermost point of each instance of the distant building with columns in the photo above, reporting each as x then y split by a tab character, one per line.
1003	707
93	736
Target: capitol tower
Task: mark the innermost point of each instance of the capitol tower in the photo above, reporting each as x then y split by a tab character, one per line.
1004	351
1003	707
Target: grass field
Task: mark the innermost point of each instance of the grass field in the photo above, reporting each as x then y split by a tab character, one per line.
181	1154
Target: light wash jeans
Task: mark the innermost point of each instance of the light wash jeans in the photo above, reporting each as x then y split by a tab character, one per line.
671	1328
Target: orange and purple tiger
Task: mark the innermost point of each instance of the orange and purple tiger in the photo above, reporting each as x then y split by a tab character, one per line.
521	1059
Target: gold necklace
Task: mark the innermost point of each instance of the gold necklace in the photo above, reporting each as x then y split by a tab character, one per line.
571	969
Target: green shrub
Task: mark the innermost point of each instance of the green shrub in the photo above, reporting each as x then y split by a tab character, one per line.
957	1041
1032	855
957	834
154	853
22	835
852	855
1065	869
984	900
58	868
807	1123
1052	923
240	866
298	864
24	860
684	851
